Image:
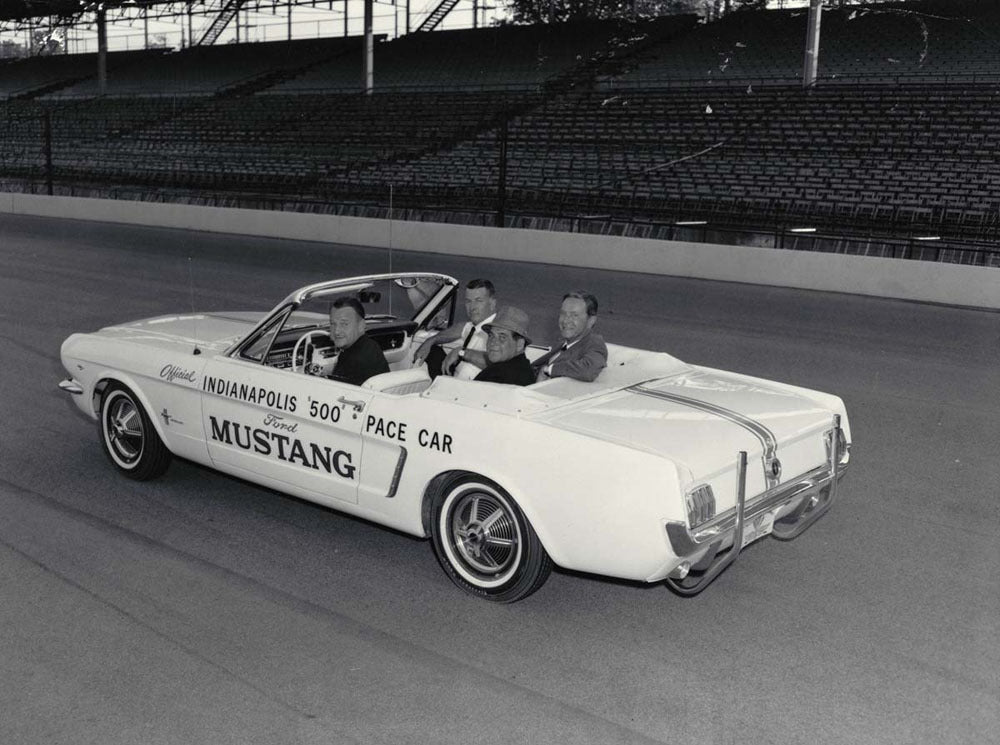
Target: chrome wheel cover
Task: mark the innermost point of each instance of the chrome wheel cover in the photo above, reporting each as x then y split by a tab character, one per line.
123	430
483	537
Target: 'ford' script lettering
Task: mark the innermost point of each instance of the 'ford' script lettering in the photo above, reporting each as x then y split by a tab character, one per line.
277	422
253	394
170	373
288	449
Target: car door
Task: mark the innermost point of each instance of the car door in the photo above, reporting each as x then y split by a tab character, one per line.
282	428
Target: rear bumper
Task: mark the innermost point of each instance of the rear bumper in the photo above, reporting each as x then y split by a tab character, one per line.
794	506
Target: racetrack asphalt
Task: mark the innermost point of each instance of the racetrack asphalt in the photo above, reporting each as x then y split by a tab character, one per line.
198	608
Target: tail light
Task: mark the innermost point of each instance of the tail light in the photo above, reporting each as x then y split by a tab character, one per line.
700	505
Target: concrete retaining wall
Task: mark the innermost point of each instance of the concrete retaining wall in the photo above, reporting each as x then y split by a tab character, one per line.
861	275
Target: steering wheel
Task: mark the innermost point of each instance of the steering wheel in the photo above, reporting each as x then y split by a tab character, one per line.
304	342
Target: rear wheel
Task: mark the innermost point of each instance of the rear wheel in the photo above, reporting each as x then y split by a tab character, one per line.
484	542
129	439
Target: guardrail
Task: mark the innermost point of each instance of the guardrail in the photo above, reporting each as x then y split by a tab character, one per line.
478	210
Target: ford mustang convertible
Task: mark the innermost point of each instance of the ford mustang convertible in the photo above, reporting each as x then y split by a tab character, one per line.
658	471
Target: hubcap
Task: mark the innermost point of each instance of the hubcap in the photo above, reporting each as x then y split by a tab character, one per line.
484	533
124	429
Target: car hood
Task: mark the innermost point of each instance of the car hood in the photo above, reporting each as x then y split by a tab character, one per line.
701	419
214	332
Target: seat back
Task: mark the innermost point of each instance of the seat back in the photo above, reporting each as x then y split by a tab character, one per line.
400	382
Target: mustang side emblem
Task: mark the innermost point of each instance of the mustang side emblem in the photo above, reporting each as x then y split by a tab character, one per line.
167	418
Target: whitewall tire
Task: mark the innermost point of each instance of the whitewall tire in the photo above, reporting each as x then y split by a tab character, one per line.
128	436
484	542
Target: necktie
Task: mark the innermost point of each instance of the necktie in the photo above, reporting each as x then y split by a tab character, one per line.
548	364
468	337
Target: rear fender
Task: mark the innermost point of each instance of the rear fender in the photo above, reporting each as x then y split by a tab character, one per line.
508	485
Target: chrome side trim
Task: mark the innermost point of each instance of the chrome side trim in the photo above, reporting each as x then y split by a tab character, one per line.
397	474
768	442
71	386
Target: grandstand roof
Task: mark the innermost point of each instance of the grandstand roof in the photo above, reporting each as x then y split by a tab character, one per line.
12	10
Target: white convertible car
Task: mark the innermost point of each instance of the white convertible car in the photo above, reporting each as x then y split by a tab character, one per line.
657	471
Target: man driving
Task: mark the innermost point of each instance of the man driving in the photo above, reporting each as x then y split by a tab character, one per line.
359	356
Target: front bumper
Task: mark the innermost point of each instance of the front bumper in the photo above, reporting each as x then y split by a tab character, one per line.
71	386
795	505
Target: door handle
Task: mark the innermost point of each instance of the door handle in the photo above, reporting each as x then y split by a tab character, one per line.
358	405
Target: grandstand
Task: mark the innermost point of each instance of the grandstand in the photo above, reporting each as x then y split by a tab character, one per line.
628	127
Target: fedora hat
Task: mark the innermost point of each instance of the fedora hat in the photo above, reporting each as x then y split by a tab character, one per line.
512	319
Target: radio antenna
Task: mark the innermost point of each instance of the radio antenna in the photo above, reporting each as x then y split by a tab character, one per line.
390	245
194	317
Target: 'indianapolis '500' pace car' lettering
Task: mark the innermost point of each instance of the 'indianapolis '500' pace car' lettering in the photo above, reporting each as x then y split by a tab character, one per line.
251	393
393	430
283	447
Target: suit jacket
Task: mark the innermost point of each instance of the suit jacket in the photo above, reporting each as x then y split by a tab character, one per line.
515	371
582	361
360	361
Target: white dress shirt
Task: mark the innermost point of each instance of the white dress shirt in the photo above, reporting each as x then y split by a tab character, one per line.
466	370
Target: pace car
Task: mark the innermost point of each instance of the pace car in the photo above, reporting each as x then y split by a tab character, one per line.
658	471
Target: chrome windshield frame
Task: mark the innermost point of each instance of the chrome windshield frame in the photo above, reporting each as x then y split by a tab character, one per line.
297	298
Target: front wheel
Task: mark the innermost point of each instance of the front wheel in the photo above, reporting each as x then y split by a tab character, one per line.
130	441
484	542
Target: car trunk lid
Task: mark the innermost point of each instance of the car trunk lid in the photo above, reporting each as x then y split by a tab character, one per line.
701	419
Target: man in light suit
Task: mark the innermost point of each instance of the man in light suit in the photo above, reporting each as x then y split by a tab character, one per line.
582	354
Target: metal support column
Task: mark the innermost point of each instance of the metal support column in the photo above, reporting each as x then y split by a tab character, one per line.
502	176
47	134
102	52
812	44
369	51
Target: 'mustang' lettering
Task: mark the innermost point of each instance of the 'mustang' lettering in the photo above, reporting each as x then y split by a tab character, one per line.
284	448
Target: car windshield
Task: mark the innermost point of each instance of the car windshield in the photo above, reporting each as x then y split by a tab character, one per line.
394	309
384	301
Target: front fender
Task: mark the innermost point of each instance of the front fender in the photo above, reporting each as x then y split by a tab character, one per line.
108	375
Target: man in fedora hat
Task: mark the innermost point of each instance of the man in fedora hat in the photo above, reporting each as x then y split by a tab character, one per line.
507	336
